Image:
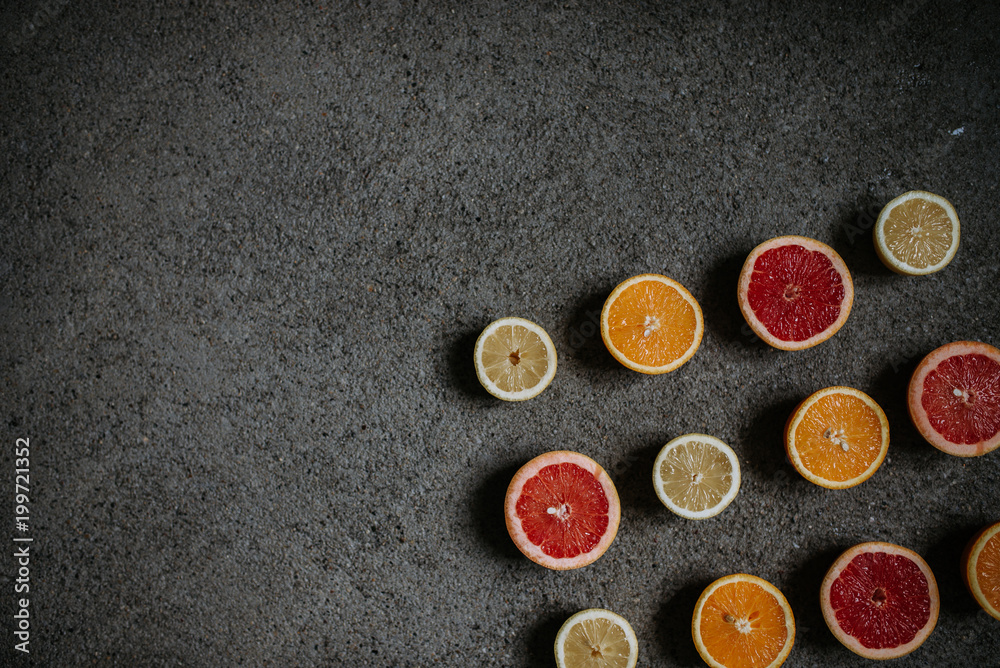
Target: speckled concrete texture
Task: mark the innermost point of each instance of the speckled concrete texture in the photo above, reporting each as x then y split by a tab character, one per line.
246	249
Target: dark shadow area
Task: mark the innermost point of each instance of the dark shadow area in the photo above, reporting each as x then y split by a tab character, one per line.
766	435
889	390
461	372
945	559
542	638
673	624
633	478
720	304
583	336
853	240
803	595
488	514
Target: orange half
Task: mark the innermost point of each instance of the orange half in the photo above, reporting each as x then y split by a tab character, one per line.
652	324
837	437
743	621
981	569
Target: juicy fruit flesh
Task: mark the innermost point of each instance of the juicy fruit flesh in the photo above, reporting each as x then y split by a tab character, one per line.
651	323
881	599
563	510
515	358
839	437
696	475
962	398
988	571
743	625
596	643
795	293
918	232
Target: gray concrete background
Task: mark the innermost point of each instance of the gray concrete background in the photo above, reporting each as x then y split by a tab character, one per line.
246	250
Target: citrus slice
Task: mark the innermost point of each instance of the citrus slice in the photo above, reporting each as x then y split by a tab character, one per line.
981	568
880	600
696	476
837	437
917	233
515	359
795	292
651	324
562	510
954	398
596	638
743	621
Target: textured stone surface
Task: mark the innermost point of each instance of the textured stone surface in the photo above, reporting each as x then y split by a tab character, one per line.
245	252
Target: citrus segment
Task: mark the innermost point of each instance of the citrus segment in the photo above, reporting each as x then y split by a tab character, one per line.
795	292
981	569
743	621
596	638
562	510
954	398
696	476
652	324
573	486
837	437
515	359
917	233
880	600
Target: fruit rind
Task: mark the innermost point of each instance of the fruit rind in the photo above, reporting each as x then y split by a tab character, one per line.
878	233
796	418
746	275
764	584
596	613
969	559
527	393
642	368
726	500
853	644
528	471
915	394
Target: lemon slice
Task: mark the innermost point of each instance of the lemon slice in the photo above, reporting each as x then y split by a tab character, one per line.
917	233
696	476
596	638
515	359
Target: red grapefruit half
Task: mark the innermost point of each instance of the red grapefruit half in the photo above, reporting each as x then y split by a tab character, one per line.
880	600
562	510
795	292
954	398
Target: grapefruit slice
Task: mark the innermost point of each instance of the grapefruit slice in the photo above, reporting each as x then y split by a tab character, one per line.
917	233
562	510
743	621
651	324
515	359
696	476
837	437
795	292
981	569
880	600
954	398
596	638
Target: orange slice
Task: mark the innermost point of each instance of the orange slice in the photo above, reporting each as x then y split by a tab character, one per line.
743	621
837	437
562	510
981	569
917	233
651	324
